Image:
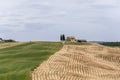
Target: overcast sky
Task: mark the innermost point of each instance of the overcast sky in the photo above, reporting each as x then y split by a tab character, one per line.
26	20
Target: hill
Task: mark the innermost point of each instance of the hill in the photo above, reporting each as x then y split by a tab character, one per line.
17	61
9	44
81	62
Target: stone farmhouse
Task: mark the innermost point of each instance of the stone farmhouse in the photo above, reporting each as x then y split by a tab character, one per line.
71	38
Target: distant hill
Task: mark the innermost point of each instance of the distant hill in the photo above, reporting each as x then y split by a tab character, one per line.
114	44
97	41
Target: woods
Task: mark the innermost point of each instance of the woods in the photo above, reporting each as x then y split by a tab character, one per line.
111	44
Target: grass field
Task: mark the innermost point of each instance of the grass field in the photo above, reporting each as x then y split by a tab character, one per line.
17	63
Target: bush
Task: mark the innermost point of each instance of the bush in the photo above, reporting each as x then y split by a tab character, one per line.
111	44
9	40
81	41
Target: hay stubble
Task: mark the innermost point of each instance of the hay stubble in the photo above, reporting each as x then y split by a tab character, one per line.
85	62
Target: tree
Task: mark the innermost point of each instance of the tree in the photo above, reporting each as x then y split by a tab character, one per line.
62	37
9	40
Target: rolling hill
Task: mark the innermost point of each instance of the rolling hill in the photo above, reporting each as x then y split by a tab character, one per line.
81	62
45	61
18	62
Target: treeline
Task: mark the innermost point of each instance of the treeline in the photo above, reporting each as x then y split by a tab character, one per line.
9	40
6	40
114	44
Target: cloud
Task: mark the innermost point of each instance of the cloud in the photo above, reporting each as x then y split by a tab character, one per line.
90	19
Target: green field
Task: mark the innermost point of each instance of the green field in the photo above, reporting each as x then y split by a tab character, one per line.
112	44
17	63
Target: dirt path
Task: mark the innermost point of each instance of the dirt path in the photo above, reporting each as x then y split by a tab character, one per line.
85	62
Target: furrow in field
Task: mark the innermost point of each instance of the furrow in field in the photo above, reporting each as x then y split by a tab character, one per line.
85	62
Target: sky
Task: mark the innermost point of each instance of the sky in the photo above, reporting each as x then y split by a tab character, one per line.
45	20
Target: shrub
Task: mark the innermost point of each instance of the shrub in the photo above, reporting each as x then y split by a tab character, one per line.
9	40
81	41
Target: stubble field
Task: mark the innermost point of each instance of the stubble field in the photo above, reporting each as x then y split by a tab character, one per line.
81	62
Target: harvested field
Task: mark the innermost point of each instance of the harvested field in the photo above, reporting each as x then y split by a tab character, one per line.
85	62
10	44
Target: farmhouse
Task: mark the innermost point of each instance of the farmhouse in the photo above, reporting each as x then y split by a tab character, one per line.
71	38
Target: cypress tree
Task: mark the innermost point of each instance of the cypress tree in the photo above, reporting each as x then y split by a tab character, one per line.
62	37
